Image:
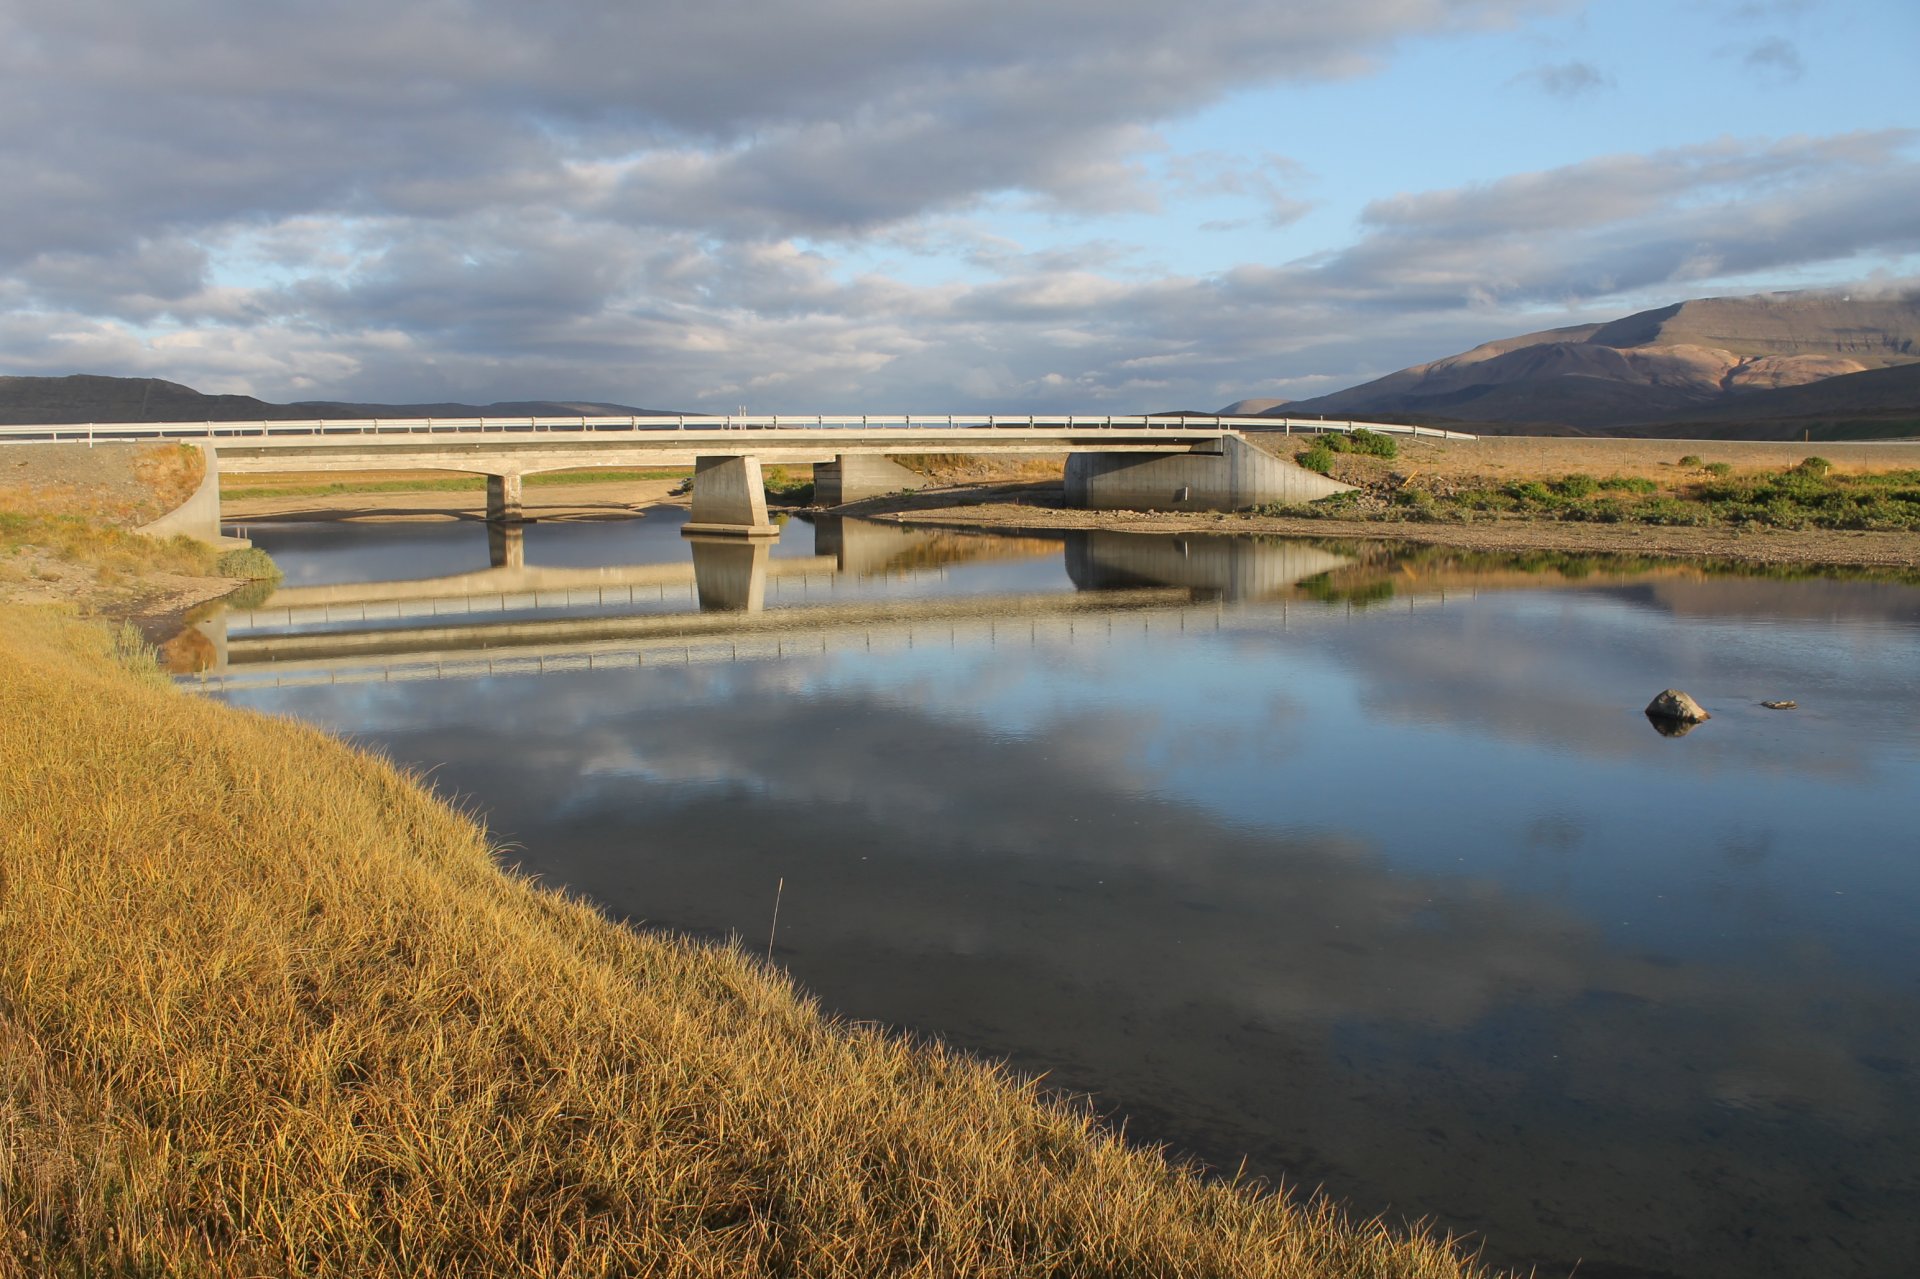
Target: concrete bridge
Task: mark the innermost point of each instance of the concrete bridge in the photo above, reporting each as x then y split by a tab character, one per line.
1176	462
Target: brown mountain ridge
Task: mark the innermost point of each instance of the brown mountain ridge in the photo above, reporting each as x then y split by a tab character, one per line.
1728	362
88	397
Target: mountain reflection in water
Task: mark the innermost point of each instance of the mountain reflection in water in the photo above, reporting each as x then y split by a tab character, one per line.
1357	861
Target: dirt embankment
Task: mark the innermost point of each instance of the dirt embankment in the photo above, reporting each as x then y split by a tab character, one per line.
67	515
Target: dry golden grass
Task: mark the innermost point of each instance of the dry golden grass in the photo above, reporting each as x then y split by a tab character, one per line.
269	1008
88	519
170	472
113	552
73	537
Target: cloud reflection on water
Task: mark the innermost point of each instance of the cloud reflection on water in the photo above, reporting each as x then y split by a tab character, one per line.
1437	1043
1404	899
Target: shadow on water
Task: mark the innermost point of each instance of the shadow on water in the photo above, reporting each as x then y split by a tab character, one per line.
1357	861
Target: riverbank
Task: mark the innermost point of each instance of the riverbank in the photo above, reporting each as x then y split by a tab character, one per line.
268	1006
1723	500
1038	510
68	521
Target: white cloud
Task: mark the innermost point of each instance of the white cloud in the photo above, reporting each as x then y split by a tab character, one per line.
672	205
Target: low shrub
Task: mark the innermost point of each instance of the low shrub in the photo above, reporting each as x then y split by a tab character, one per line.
1576	486
249	563
1372	443
1318	459
1671	510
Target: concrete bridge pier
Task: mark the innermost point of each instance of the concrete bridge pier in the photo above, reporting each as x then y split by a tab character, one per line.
729	499
730	573
503	499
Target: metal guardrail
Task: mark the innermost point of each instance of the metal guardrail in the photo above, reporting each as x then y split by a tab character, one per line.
360	428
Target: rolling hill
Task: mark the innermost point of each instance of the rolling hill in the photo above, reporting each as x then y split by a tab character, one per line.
1731	364
86	397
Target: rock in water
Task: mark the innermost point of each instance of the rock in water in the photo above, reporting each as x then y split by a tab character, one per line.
1781	706
1672	704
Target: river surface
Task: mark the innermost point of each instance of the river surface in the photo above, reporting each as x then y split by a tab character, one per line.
1358	864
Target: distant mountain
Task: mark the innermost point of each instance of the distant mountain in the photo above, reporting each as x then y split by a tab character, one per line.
1251	408
87	397
1876	404
1718	360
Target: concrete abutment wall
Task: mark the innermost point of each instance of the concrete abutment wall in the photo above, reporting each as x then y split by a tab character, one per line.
1234	478
853	477
199	516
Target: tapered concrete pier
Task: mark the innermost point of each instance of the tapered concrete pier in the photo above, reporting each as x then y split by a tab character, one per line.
729	499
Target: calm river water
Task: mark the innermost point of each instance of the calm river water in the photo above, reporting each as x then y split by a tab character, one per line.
1359	864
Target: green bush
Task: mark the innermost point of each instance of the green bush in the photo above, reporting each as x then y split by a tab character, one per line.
1369	442
1721	469
1532	492
1814	466
250	563
1576	486
1608	510
1691	459
1628	484
1671	510
1319	458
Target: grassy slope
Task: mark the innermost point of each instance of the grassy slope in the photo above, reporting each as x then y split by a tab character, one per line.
267	1007
77	538
1809	495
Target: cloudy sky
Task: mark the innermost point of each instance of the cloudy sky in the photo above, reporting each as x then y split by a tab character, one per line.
917	205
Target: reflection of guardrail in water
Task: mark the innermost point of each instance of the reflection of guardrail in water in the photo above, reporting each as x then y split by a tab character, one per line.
796	587
507	590
321	428
593	643
1102	617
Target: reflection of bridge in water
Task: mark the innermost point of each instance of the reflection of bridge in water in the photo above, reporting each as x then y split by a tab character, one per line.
1125	584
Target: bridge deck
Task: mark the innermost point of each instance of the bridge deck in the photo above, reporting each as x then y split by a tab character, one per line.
318	430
